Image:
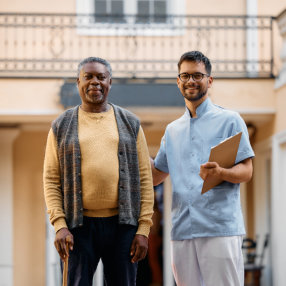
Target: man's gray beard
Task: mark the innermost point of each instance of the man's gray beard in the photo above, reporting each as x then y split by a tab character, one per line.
92	99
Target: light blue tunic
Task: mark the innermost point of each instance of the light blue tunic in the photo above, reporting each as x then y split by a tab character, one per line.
186	145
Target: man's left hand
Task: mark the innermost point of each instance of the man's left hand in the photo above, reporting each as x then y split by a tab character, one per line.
210	169
139	248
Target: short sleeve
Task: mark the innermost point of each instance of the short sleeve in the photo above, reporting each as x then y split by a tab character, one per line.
161	162
244	150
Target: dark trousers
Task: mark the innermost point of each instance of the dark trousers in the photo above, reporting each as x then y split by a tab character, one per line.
105	239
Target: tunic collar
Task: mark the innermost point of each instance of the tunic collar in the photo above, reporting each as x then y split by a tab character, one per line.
201	109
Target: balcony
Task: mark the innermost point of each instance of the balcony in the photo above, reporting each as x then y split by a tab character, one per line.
51	45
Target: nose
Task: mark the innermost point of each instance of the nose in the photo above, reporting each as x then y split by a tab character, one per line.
94	79
191	79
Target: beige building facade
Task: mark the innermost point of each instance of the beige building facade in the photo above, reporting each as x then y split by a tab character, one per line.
41	44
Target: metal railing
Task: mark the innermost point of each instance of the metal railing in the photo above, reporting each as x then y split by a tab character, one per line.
51	45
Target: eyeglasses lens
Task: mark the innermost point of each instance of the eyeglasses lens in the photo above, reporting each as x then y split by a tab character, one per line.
195	77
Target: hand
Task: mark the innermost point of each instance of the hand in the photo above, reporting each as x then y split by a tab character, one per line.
63	242
139	248
210	169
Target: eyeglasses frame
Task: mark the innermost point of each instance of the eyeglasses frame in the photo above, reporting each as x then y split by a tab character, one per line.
192	75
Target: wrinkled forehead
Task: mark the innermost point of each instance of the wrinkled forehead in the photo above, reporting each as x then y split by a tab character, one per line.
94	68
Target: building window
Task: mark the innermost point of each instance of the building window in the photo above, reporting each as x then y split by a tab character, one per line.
151	11
144	11
109	11
129	17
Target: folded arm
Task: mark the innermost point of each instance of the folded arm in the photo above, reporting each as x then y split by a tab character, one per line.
239	173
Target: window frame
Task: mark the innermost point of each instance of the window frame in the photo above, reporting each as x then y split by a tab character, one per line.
130	27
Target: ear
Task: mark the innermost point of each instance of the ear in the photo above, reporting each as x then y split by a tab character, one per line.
178	82
77	80
210	81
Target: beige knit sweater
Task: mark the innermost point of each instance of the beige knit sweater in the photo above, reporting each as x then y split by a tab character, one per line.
98	138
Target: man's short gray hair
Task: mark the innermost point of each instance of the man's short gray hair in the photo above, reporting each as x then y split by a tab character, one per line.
94	60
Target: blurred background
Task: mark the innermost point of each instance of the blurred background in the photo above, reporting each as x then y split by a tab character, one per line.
41	44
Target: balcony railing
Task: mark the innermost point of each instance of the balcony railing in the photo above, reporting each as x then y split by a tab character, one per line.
51	45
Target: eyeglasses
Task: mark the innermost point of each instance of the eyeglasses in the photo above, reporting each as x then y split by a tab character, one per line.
185	77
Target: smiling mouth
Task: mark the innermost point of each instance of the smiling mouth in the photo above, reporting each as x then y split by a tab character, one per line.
94	90
192	88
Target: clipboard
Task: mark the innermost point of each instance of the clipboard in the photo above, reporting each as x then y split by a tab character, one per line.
224	154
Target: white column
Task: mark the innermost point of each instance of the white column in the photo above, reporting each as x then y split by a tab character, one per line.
281	79
278	203
98	277
7	137
262	205
243	200
251	37
53	268
167	269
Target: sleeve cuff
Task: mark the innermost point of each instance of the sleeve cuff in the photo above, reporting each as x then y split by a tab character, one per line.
160	167
143	229
59	224
243	155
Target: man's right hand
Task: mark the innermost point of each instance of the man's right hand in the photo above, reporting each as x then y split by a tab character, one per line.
63	242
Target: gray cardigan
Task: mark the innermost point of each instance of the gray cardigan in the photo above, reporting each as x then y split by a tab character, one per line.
65	129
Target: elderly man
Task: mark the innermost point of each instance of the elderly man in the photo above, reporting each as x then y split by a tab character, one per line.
207	229
98	183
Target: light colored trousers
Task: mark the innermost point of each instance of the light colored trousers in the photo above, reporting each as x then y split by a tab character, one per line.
208	261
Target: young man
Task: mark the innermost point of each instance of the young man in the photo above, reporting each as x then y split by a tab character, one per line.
207	229
97	183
